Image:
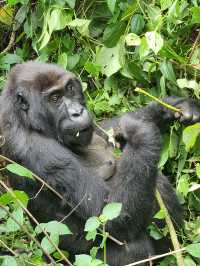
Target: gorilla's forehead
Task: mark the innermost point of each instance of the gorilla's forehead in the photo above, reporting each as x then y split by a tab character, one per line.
40	75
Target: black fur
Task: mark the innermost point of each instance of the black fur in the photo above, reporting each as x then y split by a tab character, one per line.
43	137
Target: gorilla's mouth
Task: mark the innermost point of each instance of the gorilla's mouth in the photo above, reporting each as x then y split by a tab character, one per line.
77	137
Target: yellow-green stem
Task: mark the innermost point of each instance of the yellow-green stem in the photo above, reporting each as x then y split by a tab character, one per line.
174	239
158	100
104	246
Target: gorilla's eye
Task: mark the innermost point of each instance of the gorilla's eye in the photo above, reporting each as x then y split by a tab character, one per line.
22	102
55	97
70	89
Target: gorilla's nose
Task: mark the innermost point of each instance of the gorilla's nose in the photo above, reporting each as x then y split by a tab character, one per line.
75	111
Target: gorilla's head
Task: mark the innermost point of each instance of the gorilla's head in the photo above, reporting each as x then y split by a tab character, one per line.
49	100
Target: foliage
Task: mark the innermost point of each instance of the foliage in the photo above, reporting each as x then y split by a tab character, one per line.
113	46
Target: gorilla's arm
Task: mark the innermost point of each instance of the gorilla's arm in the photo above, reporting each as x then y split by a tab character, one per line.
155	112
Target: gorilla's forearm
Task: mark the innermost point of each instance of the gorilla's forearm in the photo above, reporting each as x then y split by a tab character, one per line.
137	170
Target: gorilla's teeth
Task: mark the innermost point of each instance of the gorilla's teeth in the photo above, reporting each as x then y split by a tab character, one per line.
77	134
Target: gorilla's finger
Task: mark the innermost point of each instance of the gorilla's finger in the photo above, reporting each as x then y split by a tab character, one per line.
177	115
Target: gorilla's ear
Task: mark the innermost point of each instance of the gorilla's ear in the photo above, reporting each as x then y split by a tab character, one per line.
22	102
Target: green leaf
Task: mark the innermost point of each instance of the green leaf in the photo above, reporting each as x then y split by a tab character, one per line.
154	232
81	25
154	40
47	246
112	33
62	60
173	144
160	214
72	61
71	3
11	59
137	24
82	260
53	227
59	19
3	213
6	15
190	135
8	261
132	39
45	40
112	210
197	168
11	225
168	71
92	224
195	14
165	4
164	152
144	48
19	170
93	252
58	256
92	69
91	235
109	60
8	198
111	5
194	250
189	262
183	185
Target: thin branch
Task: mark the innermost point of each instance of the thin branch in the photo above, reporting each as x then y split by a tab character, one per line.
10	44
194	46
171	228
24	229
36	222
168	106
9	249
156	257
38	192
73	210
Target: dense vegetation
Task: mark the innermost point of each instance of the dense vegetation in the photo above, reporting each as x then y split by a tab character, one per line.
113	46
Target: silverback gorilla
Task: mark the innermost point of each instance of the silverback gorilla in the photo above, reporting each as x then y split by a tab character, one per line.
48	129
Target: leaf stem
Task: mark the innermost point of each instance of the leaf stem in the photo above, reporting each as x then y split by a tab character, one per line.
174	238
104	245
168	106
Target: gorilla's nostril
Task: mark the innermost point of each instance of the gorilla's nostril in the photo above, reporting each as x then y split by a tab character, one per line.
76	114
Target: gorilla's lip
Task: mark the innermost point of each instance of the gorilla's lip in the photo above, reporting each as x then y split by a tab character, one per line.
85	129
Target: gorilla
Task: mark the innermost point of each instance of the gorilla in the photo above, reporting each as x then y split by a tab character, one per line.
48	129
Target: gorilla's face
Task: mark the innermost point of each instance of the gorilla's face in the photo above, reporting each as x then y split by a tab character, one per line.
73	121
50	101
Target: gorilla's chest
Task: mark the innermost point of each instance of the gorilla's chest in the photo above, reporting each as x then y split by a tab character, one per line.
99	159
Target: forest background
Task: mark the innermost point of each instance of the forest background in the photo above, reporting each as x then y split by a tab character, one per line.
113	47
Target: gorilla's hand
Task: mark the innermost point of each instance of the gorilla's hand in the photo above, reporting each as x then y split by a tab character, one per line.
159	114
189	111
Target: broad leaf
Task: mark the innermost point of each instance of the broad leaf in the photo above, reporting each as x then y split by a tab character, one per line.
111	5
53	227
112	210
11	225
154	40
19	170
8	261
194	250
190	135
109	60
47	246
92	224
